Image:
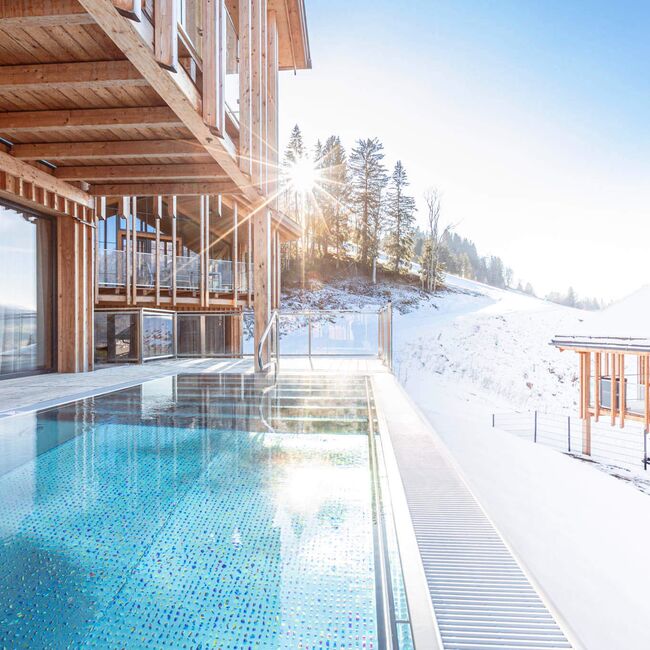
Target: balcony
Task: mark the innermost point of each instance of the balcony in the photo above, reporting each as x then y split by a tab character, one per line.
113	271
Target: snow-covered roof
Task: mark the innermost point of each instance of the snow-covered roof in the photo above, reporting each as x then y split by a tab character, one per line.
623	325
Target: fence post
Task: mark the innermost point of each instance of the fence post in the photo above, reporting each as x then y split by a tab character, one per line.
535	434
645	449
493	420
568	428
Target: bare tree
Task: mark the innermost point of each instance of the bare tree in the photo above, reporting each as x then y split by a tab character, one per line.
436	234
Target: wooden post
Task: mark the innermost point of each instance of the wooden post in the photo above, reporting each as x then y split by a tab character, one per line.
207	251
621	390
245	86
235	249
262	280
158	218
249	261
257	90
214	64
647	395
613	388
598	375
134	222
128	264
166	33
171	211
586	423
272	156
202	263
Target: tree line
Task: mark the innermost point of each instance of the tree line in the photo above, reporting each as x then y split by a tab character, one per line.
351	206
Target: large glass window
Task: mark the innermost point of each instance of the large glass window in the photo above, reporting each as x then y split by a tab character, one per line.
26	292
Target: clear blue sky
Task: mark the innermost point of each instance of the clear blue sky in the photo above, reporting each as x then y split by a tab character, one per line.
532	118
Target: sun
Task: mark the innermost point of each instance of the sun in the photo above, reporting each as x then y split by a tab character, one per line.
302	176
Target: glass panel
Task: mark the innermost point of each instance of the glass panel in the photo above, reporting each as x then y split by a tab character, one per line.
189	335
26	292
344	333
112	267
116	337
220	275
247	334
157	335
294	334
190	18
187	272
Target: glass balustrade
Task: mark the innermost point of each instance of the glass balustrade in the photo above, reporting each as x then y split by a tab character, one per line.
112	271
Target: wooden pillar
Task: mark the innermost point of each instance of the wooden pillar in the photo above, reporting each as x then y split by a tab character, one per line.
613	388
128	254
261	277
272	138
206	299
214	64
257	90
166	33
171	211
647	394
75	294
134	222
622	391
245	141
158	218
586	422
249	261
598	372
235	249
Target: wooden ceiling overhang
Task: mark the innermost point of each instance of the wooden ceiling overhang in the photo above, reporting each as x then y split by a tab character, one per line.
84	101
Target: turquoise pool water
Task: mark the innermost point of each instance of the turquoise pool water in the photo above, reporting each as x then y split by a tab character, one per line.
196	511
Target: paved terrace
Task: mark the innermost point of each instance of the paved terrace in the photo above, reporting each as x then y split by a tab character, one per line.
465	589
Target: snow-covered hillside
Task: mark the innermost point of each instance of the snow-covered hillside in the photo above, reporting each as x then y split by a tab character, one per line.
490	344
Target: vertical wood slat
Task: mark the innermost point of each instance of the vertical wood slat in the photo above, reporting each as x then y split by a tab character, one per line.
586	430
249	261
235	256
647	394
202	264
158	217
90	306
598	373
171	211
272	155
207	251
258	75
245	86
134	222
622	391
214	64
126	211
166	33
261	277
613	393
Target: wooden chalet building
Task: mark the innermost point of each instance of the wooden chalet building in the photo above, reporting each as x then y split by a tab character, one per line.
139	176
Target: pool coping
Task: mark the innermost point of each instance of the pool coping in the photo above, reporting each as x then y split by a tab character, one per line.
424	625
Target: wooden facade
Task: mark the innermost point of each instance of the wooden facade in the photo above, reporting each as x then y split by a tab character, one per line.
162	116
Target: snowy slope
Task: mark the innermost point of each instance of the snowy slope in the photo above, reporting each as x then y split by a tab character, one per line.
492	344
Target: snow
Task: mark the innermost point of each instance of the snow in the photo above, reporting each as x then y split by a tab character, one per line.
581	534
472	350
629	317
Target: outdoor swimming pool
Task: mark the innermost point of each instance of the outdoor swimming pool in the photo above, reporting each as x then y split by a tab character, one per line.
200	511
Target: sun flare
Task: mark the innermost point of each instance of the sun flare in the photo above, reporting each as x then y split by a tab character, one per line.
302	176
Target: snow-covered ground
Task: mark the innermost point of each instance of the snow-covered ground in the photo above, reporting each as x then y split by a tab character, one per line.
473	350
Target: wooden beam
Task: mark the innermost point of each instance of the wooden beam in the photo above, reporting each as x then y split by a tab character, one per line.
152	189
99	150
235	253
159	215
170	88
586	430
95	118
166	33
170	201
258	90
44	180
131	173
245	140
24	14
55	76
262	277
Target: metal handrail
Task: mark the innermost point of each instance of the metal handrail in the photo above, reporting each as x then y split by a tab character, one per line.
260	348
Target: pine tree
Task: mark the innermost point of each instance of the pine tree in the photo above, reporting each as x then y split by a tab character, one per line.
334	196
368	182
400	211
